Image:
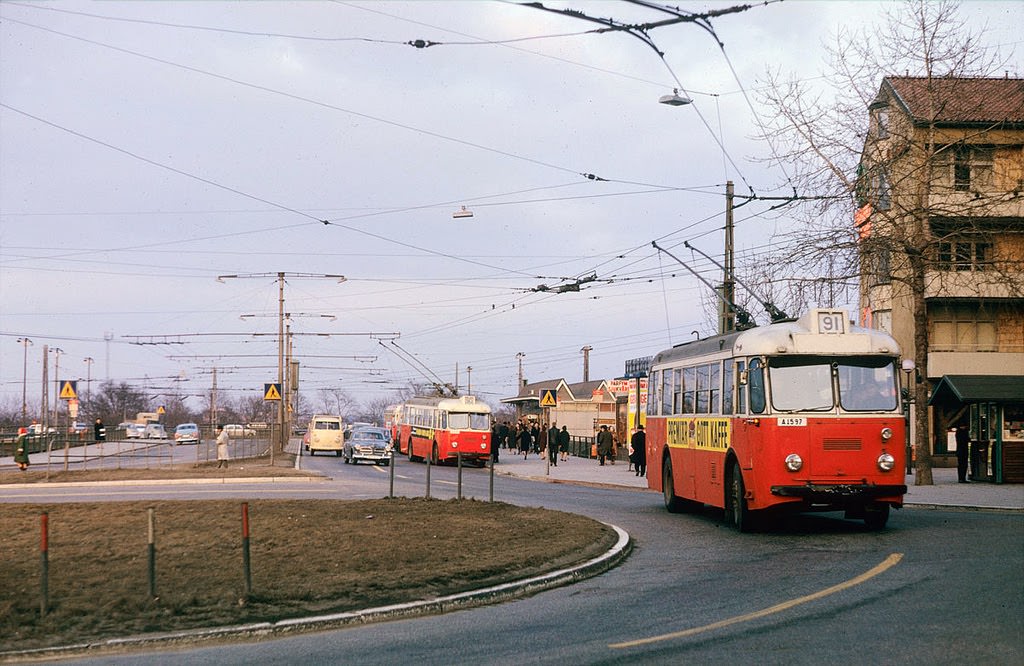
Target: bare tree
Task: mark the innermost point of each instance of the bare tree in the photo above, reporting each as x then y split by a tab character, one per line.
822	139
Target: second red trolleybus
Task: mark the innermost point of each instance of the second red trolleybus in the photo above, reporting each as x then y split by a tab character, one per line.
800	415
442	429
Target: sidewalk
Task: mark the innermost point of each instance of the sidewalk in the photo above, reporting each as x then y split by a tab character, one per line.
945	492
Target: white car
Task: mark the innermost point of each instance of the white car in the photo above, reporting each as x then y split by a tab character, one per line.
235	430
154	431
134	431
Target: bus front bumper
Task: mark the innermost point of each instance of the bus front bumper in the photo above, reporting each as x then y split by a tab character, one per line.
838	493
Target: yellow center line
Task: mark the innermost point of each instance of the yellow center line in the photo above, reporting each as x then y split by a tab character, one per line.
885	565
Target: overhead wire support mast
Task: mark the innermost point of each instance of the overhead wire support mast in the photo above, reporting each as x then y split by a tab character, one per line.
776	314
744	320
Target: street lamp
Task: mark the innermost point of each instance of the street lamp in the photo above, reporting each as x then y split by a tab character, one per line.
24	375
88	378
675	99
908	366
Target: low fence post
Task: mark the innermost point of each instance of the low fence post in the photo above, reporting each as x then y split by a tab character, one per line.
152	553
459	459
44	564
246	565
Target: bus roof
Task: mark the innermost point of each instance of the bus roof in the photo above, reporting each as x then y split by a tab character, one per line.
463	403
798	336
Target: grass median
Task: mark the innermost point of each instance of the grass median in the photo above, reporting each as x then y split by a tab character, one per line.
307	557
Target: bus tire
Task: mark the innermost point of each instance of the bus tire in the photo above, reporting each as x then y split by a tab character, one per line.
673	503
736	511
433	454
876	516
412	458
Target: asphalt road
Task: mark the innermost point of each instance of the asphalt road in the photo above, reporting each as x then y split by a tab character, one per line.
934	587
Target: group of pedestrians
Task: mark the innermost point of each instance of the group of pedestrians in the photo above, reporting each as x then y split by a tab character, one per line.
525	438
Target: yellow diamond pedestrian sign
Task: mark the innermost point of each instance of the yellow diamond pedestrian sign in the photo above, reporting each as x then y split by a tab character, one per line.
271	391
68	390
548	398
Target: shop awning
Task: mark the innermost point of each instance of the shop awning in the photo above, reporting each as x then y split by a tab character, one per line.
966	389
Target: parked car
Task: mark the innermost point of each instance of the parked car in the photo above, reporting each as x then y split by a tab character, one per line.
367	443
135	431
236	430
186	433
154	431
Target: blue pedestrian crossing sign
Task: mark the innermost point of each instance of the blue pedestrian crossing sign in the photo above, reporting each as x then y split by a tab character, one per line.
271	391
548	398
68	390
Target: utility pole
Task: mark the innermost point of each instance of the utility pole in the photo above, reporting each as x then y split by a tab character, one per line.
280	277
586	362
107	337
44	415
469	380
213	404
25	342
520	357
727	320
57	351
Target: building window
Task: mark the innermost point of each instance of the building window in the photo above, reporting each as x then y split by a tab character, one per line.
882	320
972	168
963	255
962	328
881	190
882	122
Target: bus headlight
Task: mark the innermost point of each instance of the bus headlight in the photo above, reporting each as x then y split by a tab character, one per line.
794	462
886	434
886	462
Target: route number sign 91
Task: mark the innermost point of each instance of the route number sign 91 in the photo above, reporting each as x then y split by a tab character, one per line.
831	322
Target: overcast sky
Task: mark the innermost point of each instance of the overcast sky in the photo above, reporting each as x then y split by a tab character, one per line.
147	148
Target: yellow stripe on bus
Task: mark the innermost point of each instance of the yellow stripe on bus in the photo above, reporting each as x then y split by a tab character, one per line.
703	433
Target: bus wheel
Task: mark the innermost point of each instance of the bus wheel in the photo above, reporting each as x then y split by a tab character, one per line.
875	517
736	511
433	454
673	503
412	458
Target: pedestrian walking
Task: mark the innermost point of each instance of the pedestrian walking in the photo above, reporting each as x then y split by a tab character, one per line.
963	447
553	444
525	439
222	447
605	444
563	443
638	451
21	452
495	441
99	433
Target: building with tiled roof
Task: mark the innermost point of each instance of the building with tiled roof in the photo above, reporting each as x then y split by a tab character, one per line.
941	228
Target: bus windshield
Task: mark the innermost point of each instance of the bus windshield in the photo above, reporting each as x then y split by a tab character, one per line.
866	384
801	384
465	421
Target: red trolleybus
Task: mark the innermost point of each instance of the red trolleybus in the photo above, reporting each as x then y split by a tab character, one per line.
799	415
443	428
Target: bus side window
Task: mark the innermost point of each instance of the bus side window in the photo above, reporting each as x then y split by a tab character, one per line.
444	420
755	384
741	394
728	387
652	396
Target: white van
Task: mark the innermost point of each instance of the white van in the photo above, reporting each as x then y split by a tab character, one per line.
325	434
